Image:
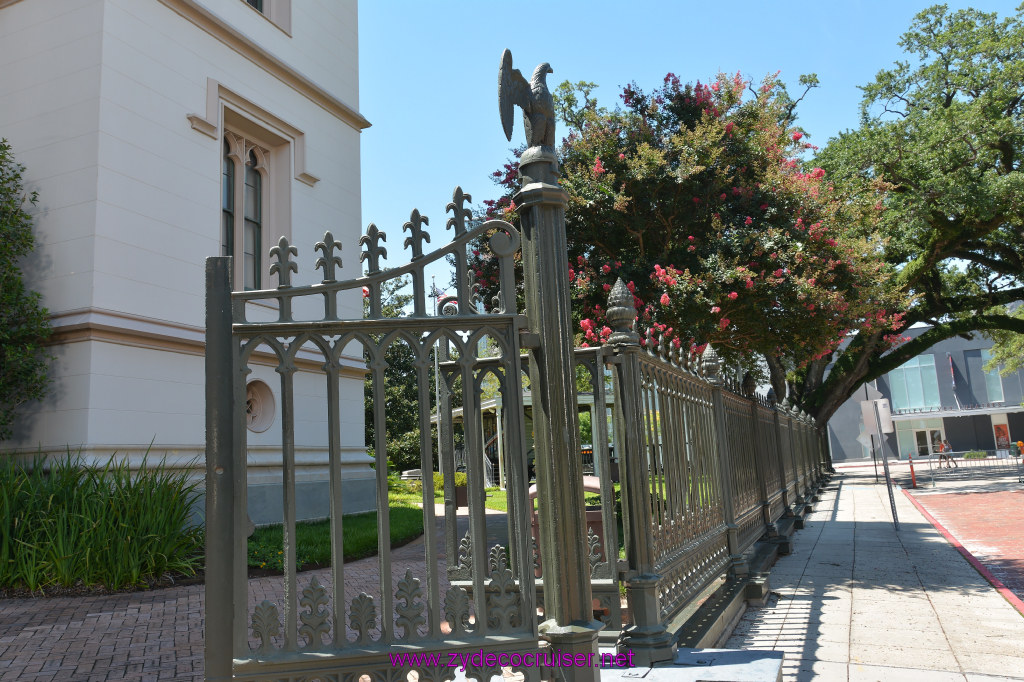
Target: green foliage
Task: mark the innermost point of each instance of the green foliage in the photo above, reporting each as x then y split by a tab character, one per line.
111	526
460	480
313	538
1008	349
938	156
24	325
975	454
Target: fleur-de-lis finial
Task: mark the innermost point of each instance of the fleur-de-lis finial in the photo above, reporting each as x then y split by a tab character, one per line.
459	212
285	266
374	251
418	236
328	261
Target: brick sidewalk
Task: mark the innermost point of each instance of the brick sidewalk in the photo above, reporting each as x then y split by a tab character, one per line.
990	525
158	635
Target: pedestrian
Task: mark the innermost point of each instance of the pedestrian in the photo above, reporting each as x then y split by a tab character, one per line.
948	449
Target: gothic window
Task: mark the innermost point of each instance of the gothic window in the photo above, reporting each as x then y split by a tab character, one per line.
242	183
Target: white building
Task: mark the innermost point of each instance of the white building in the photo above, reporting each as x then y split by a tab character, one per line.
157	133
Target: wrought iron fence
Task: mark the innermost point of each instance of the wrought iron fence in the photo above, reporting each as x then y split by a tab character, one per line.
707	468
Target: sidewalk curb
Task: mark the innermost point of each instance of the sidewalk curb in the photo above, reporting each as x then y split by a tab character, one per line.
1002	589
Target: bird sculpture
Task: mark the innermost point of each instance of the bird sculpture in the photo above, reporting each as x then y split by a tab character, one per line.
533	97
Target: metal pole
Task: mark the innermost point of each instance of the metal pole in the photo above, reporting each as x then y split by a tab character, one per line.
219	606
885	466
646	636
568	601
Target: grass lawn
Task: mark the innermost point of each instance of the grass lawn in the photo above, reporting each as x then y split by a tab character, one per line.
313	539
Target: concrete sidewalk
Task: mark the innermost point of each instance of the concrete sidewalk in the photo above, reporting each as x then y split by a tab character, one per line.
858	601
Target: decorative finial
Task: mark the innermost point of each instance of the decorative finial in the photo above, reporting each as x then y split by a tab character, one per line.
284	267
621	315
749	385
460	213
374	251
418	236
328	261
711	366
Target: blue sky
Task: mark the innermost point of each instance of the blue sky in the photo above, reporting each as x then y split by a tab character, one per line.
429	70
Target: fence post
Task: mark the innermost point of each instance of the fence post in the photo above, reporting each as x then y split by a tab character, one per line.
711	366
762	466
220	492
647	637
568	600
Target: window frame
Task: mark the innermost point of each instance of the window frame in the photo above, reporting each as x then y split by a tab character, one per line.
277	12
991	378
249	155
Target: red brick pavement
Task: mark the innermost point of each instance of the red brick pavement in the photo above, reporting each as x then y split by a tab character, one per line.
158	635
990	525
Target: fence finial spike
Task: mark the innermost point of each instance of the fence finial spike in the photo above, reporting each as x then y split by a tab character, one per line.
419	235
460	214
374	251
711	366
328	261
621	315
285	266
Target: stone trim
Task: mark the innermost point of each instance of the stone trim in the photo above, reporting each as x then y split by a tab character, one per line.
281	131
227	34
125	329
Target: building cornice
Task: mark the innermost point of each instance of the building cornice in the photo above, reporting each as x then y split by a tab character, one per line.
287	74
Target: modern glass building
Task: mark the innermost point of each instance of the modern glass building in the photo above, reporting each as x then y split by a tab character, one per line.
942	394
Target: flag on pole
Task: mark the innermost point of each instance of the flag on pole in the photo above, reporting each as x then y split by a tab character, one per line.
952	376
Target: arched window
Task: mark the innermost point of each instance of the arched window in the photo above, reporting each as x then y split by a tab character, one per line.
243	207
227	202
251	244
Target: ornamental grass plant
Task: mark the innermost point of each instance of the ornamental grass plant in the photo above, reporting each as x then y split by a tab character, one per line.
73	525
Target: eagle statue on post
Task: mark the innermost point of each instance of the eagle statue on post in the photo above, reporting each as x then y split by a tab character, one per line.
533	97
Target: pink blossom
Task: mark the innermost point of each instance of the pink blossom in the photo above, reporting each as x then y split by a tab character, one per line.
366	292
748	220
631	287
665	300
733	296
716	309
778	273
691	238
598	166
572	274
812	281
722	196
797	135
622	156
587	324
476	252
728	127
607	287
606	268
750	284
724	322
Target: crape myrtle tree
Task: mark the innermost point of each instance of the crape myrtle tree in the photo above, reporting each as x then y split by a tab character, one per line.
939	150
24	324
697	197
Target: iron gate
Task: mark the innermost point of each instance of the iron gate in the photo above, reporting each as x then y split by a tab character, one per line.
328	631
